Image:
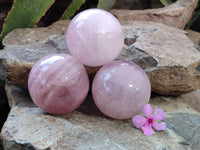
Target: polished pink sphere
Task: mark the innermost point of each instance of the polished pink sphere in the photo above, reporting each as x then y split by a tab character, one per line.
95	37
58	83
120	89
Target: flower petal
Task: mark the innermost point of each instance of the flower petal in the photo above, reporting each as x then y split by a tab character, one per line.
159	126
147	110
159	114
138	121
147	129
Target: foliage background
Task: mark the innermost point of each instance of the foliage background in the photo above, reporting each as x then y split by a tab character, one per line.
28	13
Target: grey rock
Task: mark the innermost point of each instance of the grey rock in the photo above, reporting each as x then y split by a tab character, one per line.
18	97
187	126
30	36
176	15
194	36
193	99
165	55
168	56
28	127
183	117
138	56
19	59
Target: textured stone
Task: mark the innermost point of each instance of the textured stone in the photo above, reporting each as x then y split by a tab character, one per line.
176	15
30	36
28	127
20	59
194	36
131	53
188	128
167	54
181	118
193	99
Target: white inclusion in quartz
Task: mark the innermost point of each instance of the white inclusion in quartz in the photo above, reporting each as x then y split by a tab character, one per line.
124	64
133	89
130	85
51	60
83	16
105	79
44	68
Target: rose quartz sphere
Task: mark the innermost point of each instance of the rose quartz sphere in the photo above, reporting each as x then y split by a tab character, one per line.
120	89
58	83
95	37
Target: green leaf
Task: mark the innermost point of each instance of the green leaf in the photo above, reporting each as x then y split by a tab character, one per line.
25	13
195	17
105	4
166	2
193	20
72	8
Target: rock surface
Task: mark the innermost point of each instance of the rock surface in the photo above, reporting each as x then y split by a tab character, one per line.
176	15
167	54
193	99
28	127
30	36
194	36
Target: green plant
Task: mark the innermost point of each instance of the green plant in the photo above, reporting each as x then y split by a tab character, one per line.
195	17
27	13
105	4
166	2
75	5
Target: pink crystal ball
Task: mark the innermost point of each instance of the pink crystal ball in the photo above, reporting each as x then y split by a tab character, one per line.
58	83
95	37
120	89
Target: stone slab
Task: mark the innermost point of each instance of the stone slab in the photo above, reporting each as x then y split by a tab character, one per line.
176	15
28	127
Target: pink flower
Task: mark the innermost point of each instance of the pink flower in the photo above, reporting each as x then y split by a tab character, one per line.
145	123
